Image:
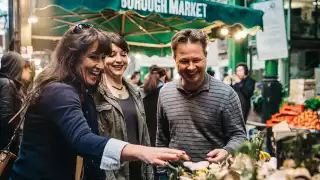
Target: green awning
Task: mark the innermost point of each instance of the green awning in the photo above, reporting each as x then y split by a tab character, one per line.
147	25
3	13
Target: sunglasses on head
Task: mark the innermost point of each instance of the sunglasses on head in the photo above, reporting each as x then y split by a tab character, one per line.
80	27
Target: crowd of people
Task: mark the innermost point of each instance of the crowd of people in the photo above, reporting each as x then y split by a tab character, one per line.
80	111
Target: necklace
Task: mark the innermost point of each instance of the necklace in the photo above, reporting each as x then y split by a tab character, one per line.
118	88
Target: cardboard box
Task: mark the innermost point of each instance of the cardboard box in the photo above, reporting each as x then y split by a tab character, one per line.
302	84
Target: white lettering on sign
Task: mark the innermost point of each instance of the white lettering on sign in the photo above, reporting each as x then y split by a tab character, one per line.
181	9
158	6
137	5
204	10
144	5
193	9
150	5
164	7
174	7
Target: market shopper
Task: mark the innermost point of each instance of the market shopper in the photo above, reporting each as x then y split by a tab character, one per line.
244	86
11	96
61	120
135	78
197	113
151	89
120	110
28	75
211	72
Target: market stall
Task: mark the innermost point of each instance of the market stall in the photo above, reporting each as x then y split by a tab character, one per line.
249	162
295	142
147	25
302	107
296	127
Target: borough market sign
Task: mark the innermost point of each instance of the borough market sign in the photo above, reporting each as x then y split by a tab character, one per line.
173	7
209	10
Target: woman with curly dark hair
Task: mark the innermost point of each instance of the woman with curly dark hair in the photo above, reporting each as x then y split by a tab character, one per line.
61	119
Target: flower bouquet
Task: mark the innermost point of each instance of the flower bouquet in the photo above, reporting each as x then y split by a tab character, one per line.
242	164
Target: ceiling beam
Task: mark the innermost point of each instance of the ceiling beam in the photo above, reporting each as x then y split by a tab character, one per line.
144	30
56	38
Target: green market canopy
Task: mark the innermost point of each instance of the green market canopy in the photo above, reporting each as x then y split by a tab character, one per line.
3	14
148	25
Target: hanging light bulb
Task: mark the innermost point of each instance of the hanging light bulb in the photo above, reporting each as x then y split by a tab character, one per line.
224	31
32	19
219	32
243	34
237	35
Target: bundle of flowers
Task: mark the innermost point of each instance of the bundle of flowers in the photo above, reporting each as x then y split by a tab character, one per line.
239	167
248	163
240	164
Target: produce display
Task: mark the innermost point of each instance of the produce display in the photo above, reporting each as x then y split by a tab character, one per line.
299	159
277	118
299	116
307	119
286	113
312	104
238	165
247	163
292	110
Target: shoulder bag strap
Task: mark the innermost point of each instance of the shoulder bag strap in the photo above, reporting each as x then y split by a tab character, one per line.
16	130
79	160
79	168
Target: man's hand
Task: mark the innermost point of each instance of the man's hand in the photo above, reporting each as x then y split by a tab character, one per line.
217	155
236	78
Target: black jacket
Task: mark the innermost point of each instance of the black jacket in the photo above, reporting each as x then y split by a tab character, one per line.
10	96
245	89
150	102
10	103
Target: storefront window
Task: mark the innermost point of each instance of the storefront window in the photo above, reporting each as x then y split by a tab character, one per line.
305	14
3	22
303	63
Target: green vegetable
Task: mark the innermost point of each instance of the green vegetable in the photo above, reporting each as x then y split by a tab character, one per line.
313	104
252	147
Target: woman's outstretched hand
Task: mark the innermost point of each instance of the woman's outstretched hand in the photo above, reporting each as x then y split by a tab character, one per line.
150	155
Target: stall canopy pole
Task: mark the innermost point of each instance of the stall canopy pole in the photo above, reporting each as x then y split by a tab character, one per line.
14	26
316	14
272	97
11	26
237	50
287	64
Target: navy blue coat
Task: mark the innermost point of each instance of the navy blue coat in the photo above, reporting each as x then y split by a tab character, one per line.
55	131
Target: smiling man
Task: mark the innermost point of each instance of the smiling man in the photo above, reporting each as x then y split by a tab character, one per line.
197	113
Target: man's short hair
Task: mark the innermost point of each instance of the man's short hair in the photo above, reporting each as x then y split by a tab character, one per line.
245	67
189	36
